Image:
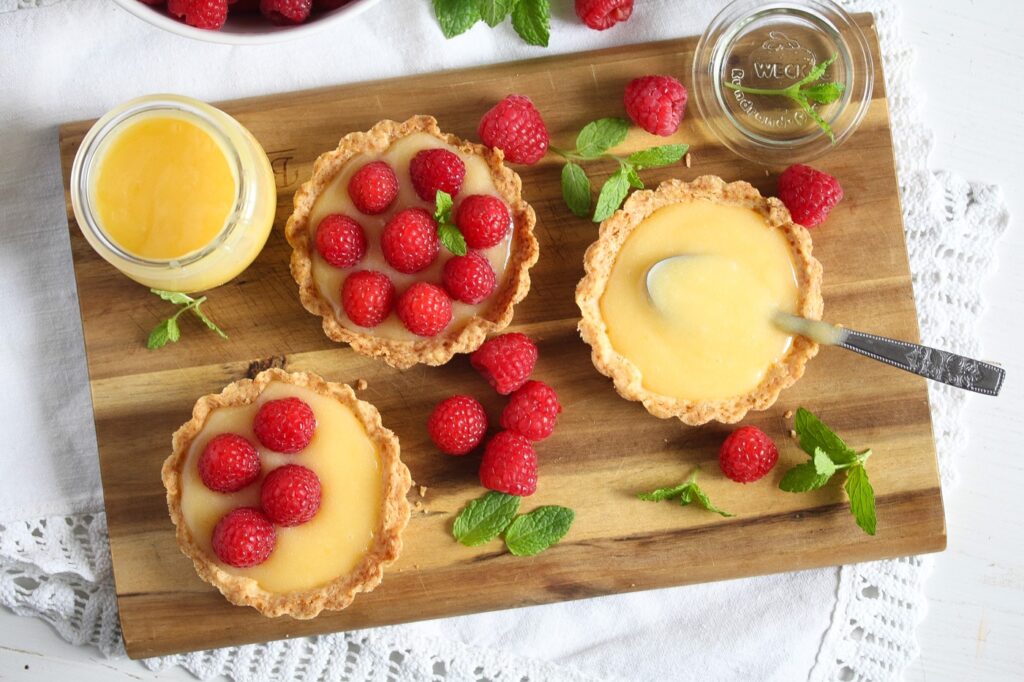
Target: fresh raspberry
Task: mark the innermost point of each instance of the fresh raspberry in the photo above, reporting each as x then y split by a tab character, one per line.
457	424
290	495
373	188
468	278
602	14
424	309
244	537
532	411
506	361
284	425
340	240
368	297
229	463
483	219
514	126
409	241
285	12
509	465
747	454
656	103
209	14
809	194
434	169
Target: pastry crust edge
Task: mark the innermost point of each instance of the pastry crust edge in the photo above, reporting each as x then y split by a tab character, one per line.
600	258
395	512
439	349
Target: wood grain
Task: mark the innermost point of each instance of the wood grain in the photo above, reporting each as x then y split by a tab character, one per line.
604	450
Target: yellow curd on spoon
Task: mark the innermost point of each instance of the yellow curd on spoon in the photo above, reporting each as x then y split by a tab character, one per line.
701	327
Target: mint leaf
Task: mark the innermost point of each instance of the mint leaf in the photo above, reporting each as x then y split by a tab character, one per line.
532	533
613	193
164	332
442	206
485	518
704	501
532	21
495	11
576	189
210	324
599	136
818	71
686	492
456	16
816	117
175	297
813	434
452	239
450	236
633	177
862	498
663	493
823	93
802	478
654	157
823	464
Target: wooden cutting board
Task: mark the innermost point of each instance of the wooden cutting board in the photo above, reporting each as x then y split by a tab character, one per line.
604	450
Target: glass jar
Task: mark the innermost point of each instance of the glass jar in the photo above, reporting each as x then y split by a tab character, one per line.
246	226
770	46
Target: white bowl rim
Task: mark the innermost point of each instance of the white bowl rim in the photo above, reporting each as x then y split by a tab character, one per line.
273	34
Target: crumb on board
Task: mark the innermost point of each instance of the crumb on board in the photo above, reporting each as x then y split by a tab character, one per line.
423	491
418	506
361	384
788	414
792	433
687	160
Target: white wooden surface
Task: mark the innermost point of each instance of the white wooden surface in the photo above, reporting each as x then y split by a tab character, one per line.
970	67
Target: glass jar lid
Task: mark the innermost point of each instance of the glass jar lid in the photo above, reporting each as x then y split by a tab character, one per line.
755	84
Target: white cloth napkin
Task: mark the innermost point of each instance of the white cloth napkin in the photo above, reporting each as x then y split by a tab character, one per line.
78	58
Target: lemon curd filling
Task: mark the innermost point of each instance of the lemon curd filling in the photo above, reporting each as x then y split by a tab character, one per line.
164	187
701	327
335	199
348	464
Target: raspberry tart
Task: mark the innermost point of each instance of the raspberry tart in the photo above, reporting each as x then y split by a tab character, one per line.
367	252
287	493
693	338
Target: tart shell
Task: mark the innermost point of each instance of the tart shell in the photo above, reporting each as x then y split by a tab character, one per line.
439	349
394	516
600	258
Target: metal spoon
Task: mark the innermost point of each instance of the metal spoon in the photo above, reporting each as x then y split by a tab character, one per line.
931	363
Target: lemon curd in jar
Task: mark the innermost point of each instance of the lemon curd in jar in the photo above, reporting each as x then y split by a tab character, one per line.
173	193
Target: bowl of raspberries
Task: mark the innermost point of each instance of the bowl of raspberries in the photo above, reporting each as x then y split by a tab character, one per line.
240	22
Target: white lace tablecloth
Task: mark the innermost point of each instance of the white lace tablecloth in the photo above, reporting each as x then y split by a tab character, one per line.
78	58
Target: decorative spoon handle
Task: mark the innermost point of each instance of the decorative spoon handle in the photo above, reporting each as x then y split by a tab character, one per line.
938	365
931	363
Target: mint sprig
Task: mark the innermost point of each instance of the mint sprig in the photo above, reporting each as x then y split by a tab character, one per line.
531	19
487	517
168	330
686	493
830	455
450	235
806	92
594	142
